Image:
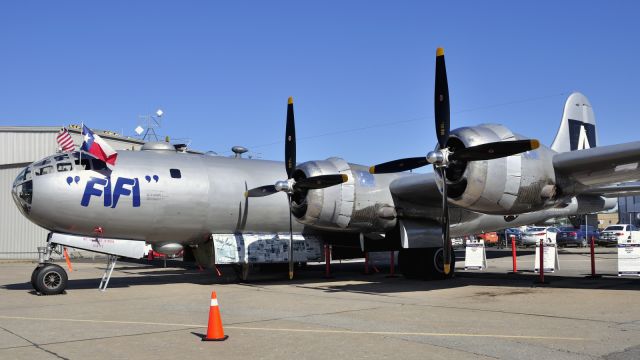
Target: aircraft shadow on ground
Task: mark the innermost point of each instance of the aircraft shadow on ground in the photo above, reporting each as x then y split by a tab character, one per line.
312	277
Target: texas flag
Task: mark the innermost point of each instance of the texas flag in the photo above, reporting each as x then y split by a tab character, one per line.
94	144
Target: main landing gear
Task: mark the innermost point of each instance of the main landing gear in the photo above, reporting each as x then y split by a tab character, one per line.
425	264
48	278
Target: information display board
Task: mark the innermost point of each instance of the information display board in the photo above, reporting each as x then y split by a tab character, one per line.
267	248
475	256
629	257
550	257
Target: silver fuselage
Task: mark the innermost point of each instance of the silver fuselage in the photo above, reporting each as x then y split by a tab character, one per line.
168	197
207	198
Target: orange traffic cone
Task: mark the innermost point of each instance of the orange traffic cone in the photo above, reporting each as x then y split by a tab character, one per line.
214	329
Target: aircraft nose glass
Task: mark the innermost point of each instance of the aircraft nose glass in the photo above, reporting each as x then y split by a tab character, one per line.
22	191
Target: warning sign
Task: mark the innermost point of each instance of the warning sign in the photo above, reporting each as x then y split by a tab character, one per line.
550	257
628	257
475	256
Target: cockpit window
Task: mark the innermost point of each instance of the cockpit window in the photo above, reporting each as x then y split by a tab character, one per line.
64	167
44	162
25	174
61	157
44	170
98	165
84	163
25	191
87	162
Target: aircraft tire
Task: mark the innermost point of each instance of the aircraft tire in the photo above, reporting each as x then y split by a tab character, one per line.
33	276
436	264
424	264
408	262
50	279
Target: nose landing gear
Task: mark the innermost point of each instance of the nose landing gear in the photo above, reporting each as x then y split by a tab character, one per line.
48	278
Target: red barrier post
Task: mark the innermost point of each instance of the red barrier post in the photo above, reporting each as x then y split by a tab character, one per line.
392	265
593	259
366	263
541	269
327	261
513	253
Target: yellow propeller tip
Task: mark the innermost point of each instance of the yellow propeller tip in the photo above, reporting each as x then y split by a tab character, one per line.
447	269
372	170
440	52
535	144
345	177
290	100
246	194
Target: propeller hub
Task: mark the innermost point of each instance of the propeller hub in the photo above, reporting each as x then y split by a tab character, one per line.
439	158
285	186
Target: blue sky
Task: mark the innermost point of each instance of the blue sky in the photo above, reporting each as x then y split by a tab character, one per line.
361	72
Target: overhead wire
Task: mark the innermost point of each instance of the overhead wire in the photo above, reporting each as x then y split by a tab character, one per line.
392	123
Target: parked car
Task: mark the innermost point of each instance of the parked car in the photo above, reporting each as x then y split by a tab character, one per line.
534	235
613	233
509	232
578	237
490	238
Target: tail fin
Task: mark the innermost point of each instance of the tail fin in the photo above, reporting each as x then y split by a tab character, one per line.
578	126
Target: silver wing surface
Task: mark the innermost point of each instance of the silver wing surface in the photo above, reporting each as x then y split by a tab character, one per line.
595	170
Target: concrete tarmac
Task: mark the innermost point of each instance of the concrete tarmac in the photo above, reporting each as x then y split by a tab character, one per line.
150	312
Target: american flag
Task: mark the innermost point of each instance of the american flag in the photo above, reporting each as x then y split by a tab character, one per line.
65	141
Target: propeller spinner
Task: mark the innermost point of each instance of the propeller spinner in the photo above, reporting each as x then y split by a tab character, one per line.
441	157
292	186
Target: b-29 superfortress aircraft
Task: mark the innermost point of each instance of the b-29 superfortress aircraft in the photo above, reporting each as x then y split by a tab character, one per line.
242	211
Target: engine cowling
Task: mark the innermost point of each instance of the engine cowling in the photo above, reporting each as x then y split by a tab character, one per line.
362	204
504	186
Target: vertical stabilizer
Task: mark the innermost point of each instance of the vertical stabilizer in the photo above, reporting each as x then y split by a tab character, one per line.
578	126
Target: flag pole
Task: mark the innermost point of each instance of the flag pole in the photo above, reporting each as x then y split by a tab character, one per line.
81	138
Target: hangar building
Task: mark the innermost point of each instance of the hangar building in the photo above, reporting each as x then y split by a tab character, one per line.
629	209
19	147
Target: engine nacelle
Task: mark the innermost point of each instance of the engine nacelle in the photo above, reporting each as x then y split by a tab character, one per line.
362	204
504	186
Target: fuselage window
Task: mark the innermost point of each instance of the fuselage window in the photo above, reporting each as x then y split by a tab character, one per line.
64	167
175	173
44	170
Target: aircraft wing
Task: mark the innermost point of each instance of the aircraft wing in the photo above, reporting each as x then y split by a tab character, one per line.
621	190
598	167
418	196
418	189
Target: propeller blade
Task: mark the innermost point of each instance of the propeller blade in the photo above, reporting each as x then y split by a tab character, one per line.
290	240
399	165
290	141
261	191
320	181
441	100
494	150
446	240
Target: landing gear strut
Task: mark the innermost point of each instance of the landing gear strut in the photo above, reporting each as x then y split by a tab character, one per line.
48	278
425	264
